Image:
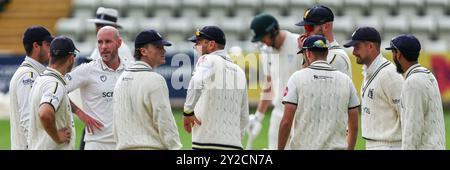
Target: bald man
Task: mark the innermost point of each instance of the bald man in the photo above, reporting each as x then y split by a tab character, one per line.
96	81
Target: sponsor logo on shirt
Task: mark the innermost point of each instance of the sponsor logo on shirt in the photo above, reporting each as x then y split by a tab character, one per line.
108	96
27	81
395	101
321	77
103	78
370	94
68	77
366	110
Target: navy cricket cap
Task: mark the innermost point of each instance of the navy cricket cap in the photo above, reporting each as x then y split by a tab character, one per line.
314	43
62	46
210	33
150	37
316	15
364	34
406	44
36	34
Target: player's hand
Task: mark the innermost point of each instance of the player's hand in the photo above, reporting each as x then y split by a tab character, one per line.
90	122
254	126
189	122
302	39
64	135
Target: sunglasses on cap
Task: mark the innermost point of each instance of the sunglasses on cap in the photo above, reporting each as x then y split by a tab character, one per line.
198	33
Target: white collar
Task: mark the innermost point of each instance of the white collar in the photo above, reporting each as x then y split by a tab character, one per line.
413	67
377	62
37	65
105	67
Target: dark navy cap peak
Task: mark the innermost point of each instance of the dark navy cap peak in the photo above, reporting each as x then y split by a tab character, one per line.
62	46
364	34
209	33
314	43
406	44
150	37
316	15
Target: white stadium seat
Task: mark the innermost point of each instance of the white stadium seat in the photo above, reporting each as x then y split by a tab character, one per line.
444	28
288	23
165	8
298	7
381	8
335	5
395	25
275	7
120	5
84	8
158	24
355	7
140	8
343	26
371	21
219	8
409	7
247	8
129	27
73	27
436	8
434	46
192	8
423	27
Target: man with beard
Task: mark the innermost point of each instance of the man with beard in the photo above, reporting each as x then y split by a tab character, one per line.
380	92
51	121
96	81
422	116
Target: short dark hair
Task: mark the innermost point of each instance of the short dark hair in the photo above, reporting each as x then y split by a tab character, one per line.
137	52
410	56
321	54
29	47
55	59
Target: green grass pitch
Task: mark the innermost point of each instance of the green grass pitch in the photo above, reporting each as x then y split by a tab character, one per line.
259	143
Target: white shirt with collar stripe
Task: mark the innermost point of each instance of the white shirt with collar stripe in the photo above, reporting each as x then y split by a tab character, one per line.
339	59
19	89
380	96
280	65
50	88
96	82
323	97
422	115
143	118
217	94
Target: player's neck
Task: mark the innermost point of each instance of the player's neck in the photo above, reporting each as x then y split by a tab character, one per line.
114	63
279	40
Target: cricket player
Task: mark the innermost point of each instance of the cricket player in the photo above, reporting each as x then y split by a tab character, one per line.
380	92
143	118
320	102
51	121
96	81
422	117
216	107
319	20
279	65
36	41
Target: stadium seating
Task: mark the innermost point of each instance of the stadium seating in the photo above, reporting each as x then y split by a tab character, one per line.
429	20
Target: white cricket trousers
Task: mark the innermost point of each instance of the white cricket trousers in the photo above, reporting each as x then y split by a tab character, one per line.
275	119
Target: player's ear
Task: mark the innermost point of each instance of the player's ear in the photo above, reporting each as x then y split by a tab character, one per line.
119	42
